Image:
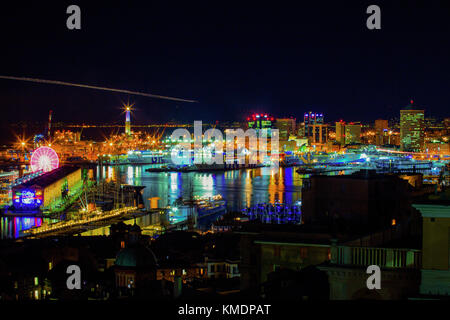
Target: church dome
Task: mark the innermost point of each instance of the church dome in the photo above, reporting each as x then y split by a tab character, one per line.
136	257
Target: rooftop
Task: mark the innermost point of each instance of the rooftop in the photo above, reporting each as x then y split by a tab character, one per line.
412	106
51	177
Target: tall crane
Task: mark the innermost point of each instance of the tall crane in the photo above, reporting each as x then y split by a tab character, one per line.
49	124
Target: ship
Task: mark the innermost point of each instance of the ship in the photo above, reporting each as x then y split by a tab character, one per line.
140	157
200	207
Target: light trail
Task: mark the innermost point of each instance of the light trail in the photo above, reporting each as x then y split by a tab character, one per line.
412	153
79	85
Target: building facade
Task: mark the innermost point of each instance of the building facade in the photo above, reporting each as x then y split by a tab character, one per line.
412	128
436	249
47	188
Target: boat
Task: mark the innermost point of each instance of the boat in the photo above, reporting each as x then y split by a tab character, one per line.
140	157
199	206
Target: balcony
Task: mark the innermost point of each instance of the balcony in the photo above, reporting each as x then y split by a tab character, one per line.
382	257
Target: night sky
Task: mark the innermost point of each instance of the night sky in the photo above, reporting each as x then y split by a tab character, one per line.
265	56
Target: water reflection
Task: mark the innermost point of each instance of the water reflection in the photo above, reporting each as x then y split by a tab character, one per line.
13	227
240	188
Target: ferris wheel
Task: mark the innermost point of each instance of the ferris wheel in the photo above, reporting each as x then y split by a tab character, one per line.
45	159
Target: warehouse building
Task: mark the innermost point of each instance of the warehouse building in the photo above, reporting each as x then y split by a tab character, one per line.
46	189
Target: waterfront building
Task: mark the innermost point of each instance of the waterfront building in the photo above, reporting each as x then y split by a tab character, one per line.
47	189
412	128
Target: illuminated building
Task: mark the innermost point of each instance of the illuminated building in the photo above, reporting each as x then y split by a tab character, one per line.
286	127
314	128
260	121
381	132
311	119
447	125
411	128
437	147
347	133
352	133
46	188
340	132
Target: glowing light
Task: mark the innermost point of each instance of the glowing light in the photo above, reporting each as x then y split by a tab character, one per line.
45	159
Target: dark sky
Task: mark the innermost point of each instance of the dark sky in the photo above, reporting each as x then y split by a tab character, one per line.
234	59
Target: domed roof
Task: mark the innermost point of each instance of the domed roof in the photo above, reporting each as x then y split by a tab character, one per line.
136	256
135	228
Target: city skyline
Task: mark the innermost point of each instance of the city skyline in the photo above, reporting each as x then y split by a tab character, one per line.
247	155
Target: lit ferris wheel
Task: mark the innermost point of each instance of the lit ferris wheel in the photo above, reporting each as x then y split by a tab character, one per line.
45	159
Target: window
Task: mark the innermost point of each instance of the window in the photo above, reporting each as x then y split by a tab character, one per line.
36	281
303	252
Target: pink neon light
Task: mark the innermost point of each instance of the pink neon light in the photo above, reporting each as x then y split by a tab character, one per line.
45	159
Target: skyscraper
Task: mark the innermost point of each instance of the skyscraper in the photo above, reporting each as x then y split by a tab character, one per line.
347	133
412	128
352	133
315	130
340	132
381	131
286	127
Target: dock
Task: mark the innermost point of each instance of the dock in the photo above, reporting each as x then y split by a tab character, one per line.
77	226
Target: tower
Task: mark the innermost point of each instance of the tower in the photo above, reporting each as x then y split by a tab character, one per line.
412	128
128	119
